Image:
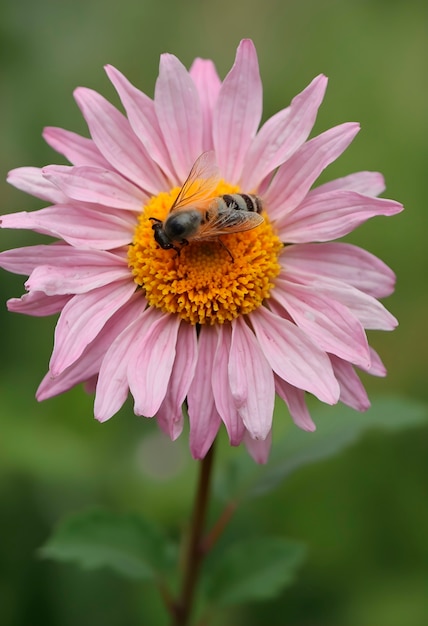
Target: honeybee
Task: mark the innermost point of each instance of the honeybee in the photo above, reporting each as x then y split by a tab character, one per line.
198	215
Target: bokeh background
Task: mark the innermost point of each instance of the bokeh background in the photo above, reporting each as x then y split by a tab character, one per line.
364	514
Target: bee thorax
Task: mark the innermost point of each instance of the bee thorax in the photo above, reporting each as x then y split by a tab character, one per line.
183	224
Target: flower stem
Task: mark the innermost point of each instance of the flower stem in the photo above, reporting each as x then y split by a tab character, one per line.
219	526
194	553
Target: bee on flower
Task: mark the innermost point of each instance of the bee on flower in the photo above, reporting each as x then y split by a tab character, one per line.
194	262
196	215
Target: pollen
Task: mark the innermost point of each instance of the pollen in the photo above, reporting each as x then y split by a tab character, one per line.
209	282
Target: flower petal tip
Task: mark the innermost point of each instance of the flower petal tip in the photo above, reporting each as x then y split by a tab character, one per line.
309	428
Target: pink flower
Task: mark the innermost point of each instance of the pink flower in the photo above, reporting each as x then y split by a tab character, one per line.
286	314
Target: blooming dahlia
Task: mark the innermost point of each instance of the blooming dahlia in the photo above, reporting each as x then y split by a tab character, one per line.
225	323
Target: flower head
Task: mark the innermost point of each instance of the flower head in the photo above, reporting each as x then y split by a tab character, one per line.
234	316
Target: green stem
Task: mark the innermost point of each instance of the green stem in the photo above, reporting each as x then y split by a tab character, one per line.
194	554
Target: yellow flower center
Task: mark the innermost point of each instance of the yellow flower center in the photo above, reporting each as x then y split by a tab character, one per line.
203	285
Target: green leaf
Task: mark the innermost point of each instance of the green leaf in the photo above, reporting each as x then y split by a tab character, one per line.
129	545
337	428
253	569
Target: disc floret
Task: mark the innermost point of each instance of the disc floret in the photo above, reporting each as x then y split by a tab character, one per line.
211	281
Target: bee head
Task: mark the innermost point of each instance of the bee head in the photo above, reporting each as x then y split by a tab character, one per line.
160	237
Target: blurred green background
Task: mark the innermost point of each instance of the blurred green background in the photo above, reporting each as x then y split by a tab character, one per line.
363	514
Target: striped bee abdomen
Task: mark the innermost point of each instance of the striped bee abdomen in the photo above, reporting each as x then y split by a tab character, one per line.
242	202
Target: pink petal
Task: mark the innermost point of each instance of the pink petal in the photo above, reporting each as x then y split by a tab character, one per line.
344	262
293	356
141	113
251	380
117	142
257	448
294	179
151	362
32	181
92	184
352	392
51	387
88	364
237	112
323	217
170	414
326	321
86	272
25	260
77	149
170	424
377	368
90	227
223	398
82	319
179	113
113	386
283	134
295	400
37	304
90	385
203	417
24	220
371	313
208	85
367	183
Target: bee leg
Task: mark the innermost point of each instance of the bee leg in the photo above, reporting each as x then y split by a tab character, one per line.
223	245
183	242
177	250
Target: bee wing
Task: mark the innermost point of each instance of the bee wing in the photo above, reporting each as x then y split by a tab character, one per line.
228	222
200	184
